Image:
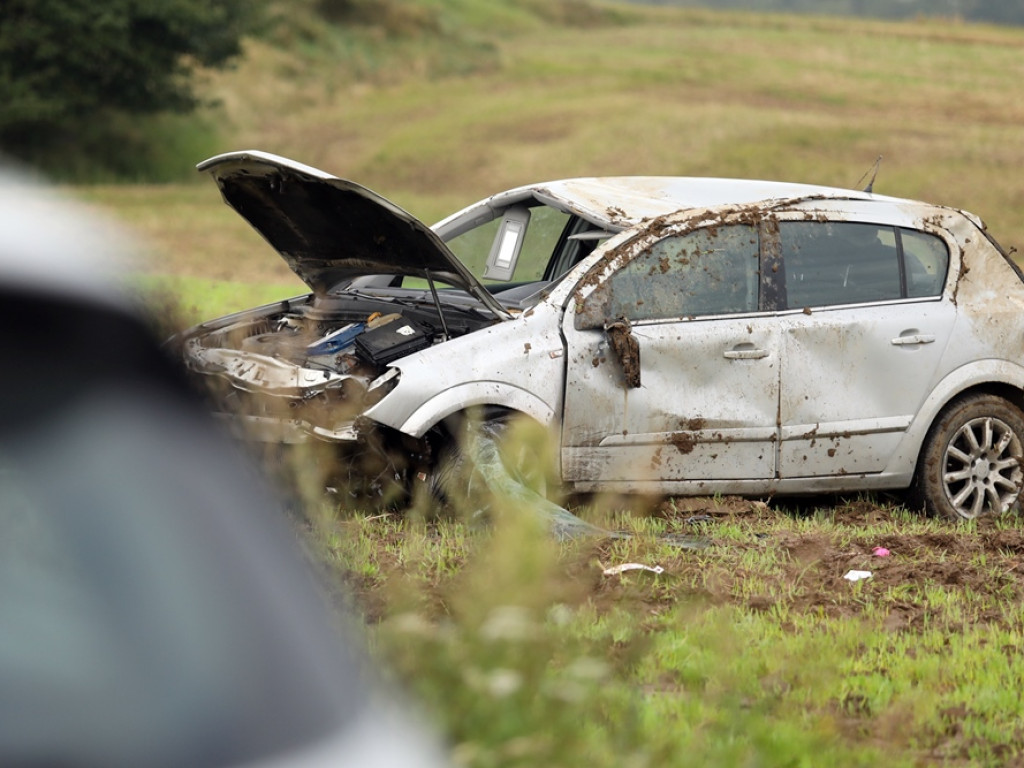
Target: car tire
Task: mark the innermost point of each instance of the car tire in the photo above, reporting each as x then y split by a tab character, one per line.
971	461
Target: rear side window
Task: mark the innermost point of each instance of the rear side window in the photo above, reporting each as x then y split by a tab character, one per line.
829	263
927	259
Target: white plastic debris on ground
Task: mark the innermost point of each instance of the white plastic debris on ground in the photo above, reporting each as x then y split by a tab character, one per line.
618	569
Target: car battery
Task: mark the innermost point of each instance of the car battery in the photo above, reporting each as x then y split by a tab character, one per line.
396	338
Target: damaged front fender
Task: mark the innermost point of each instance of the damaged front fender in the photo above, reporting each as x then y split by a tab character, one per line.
396	412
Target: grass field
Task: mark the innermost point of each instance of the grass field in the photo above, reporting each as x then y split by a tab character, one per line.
754	650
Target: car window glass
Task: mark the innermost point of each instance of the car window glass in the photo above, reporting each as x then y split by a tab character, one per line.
542	235
830	263
472	247
580	238
710	271
926	258
546	225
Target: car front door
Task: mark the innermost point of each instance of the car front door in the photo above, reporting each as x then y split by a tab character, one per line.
862	354
673	367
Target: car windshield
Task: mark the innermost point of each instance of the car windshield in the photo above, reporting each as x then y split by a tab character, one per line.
555	242
543	237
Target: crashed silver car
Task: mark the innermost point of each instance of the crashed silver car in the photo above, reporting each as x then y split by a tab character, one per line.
677	335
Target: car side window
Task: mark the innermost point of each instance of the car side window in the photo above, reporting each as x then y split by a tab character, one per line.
711	271
839	263
926	258
578	240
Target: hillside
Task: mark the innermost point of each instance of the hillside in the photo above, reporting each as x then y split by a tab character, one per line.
437	104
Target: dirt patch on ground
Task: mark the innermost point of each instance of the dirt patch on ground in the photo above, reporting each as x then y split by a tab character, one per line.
801	565
765	558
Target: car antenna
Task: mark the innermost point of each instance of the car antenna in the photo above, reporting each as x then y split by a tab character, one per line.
870	188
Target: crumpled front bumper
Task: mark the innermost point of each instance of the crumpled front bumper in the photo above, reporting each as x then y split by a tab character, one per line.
269	429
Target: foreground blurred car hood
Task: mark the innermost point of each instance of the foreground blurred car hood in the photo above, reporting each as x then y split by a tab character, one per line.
331	230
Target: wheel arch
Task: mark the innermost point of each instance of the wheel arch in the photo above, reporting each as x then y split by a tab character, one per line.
487	395
1009	392
994	377
448	440
983	474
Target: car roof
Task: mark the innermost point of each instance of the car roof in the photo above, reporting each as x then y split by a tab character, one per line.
619	202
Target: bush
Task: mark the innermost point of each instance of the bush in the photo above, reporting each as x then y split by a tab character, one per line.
72	67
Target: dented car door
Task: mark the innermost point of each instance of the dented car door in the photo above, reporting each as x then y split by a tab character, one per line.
707	367
864	352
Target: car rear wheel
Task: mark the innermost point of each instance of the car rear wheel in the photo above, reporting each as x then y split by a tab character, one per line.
971	463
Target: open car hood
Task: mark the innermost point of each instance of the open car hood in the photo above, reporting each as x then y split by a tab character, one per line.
331	230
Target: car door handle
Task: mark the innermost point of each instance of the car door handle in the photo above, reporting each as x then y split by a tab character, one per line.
913	338
745	353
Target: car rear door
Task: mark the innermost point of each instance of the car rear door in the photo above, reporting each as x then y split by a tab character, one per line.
862	344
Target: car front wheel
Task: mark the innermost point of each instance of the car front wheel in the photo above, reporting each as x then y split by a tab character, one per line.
484	455
971	461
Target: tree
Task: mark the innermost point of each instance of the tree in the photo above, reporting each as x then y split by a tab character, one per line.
67	61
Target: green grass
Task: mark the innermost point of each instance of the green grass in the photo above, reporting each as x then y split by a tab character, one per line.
751	652
206	298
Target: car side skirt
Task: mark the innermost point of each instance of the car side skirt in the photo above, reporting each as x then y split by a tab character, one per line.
795	486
